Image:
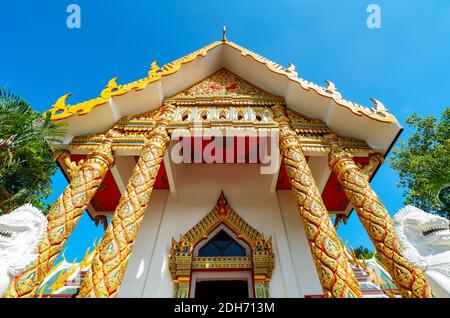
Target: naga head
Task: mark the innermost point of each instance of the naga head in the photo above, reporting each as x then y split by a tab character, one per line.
423	228
421	234
21	232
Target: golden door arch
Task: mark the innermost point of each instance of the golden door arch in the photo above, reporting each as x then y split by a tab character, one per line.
259	260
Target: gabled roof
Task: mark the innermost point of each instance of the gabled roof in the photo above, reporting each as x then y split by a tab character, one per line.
374	125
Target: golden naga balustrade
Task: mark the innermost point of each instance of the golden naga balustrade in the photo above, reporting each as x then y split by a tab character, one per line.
376	220
108	266
64	216
335	273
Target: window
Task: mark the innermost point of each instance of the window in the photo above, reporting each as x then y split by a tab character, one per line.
185	117
221	244
222	116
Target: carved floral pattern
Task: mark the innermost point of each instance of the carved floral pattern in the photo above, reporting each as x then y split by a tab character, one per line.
224	84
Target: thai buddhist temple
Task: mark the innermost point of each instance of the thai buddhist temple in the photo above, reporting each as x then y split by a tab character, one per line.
221	173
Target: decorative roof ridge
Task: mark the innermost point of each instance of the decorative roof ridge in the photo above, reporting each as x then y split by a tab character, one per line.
60	110
379	113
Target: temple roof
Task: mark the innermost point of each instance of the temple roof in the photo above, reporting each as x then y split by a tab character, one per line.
374	125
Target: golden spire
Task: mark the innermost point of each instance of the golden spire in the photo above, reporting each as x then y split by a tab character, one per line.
224	32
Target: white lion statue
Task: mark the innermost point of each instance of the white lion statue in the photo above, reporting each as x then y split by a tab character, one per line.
425	240
21	232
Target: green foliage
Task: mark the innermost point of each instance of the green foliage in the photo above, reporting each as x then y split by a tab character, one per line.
423	164
363	252
26	161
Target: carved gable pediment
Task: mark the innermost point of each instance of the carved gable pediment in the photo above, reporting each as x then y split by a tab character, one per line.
226	87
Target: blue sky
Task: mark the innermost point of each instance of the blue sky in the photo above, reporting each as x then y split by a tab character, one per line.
404	64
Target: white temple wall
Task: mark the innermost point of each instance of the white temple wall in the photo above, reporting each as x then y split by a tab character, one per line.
139	264
171	214
301	254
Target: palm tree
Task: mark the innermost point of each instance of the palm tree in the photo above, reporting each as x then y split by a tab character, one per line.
26	159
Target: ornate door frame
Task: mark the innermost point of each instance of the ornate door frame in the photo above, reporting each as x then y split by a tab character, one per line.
182	261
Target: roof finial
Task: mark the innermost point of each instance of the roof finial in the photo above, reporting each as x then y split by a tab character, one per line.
221	205
224	36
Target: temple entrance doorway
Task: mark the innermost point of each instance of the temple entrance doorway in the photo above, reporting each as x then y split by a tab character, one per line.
222	245
221	256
